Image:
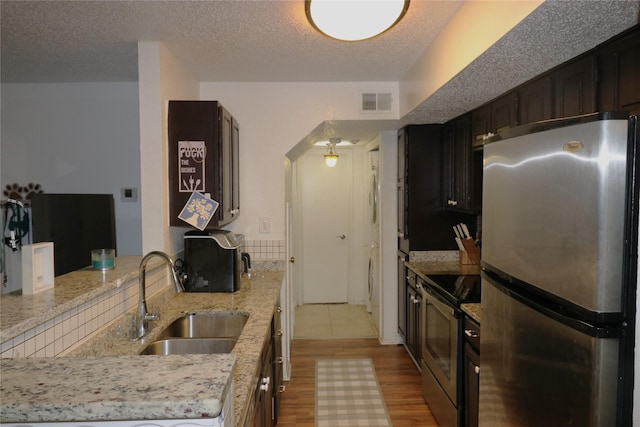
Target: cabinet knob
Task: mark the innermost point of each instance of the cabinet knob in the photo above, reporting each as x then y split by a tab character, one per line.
476	369
292	260
279	360
278	309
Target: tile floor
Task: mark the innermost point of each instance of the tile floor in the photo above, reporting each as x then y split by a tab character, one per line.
333	321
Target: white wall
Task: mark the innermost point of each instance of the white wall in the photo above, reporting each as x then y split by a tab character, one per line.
162	78
76	138
275	117
389	237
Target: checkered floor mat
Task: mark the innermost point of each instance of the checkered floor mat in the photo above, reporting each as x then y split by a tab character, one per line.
348	394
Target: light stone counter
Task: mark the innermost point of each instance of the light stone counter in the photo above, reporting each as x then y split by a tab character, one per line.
435	268
472	310
18	313
104	379
114	388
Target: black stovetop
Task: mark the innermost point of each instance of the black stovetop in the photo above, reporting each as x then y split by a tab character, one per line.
457	289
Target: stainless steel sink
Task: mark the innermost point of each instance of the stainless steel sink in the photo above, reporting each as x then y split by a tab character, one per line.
166	347
206	325
199	333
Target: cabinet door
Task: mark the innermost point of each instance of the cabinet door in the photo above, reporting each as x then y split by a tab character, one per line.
535	102
503	113
457	166
423	225
575	88
402	296
235	154
413	323
619	74
277	361
481	124
267	373
471	386
448	164
225	162
192	167
403	195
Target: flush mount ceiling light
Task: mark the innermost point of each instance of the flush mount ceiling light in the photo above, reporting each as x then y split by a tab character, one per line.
354	20
331	158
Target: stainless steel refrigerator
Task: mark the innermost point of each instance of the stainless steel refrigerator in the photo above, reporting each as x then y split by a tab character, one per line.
559	258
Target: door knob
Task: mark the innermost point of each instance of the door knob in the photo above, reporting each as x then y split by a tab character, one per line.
292	260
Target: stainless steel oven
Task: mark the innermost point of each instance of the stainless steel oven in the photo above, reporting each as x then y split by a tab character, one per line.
440	357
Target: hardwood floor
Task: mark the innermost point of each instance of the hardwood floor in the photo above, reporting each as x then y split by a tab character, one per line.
398	377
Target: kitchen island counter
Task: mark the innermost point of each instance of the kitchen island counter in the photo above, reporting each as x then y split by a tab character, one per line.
145	387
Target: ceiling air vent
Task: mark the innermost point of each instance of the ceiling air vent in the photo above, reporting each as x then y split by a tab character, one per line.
376	102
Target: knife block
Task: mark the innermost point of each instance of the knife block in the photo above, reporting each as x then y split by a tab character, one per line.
471	254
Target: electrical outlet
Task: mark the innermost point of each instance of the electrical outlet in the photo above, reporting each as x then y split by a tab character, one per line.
265	224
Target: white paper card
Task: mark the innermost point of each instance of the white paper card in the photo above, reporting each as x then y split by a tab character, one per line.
37	268
198	210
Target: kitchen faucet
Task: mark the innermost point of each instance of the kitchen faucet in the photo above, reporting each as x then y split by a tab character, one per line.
142	316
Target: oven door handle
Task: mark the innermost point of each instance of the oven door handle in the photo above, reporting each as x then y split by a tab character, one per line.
431	298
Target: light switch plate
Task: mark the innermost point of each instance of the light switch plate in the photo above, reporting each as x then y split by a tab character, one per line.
128	194
265	224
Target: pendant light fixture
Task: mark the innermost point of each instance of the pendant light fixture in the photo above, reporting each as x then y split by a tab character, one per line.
331	158
353	20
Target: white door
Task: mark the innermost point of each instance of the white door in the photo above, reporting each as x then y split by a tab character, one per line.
325	206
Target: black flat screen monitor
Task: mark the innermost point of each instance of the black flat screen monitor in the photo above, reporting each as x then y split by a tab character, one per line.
76	224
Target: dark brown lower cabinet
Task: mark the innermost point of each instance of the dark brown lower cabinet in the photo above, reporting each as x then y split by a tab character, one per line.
269	382
471	372
263	409
402	295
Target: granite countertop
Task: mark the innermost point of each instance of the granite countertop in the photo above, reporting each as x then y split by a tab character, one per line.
106	379
473	310
18	313
114	388
434	268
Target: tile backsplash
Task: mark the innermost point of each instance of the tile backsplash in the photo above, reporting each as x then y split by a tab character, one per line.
265	249
64	332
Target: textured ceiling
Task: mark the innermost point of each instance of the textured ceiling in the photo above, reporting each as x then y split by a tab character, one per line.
271	41
241	40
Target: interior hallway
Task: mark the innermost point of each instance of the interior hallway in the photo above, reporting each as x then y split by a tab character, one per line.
399	380
333	321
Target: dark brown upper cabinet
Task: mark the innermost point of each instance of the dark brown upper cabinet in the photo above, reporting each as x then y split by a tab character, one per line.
211	167
490	119
459	172
535	101
619	74
422	223
574	87
503	112
230	165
